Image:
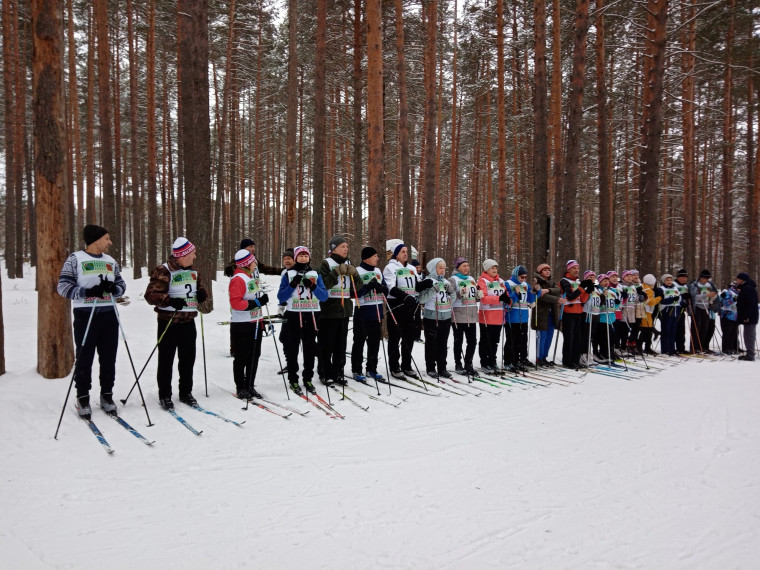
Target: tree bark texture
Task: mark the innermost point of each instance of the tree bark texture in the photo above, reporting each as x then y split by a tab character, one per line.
375	170
540	253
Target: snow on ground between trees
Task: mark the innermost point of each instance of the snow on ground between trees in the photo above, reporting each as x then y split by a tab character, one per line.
658	472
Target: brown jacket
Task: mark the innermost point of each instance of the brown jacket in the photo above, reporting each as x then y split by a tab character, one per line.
157	293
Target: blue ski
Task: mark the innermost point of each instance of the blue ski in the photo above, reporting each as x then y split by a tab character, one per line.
221	417
181	420
130	429
99	435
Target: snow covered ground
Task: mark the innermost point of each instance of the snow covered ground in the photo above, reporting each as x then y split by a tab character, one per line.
660	472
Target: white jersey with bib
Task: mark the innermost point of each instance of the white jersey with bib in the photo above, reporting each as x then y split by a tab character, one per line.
302	300
252	292
89	272
183	284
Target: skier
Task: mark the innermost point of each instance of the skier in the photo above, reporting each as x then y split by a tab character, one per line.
436	314
576	294
175	290
491	314
288	260
630	293
747	313
729	327
337	274
652	295
704	305
465	314
516	322
604	339
670	307
404	286
91	279
261	268
246	322
302	289
368	315
682	279
591	310
545	317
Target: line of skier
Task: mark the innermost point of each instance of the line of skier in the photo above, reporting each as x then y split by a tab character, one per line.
602	316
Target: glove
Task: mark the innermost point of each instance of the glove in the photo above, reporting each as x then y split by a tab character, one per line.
640	290
586	283
201	295
311	284
108	286
479	294
423	285
350	270
341	269
686	296
263	299
253	304
410	303
281	309
505	298
96	291
177	303
295	281
375	286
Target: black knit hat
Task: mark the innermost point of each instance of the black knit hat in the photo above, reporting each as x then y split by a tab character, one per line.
368	252
246	242
743	276
93	233
682	273
289	253
705	274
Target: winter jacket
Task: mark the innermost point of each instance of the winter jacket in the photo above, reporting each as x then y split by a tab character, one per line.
157	292
546	304
728	303
401	281
523	298
437	300
370	304
746	303
287	293
575	296
699	298
491	311
340	304
671	301
652	297
466	298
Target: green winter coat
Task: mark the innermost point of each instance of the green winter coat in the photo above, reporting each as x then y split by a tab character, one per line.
333	308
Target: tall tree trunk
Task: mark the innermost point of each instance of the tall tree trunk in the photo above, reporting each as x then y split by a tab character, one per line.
196	136
10	28
138	257
606	223
453	245
92	209
555	189
55	353
727	170
18	161
150	119
501	133
320	121
407	227
540	253
357	124
651	135
291	161
429	211
104	115
688	35
375	175
566	207
753	257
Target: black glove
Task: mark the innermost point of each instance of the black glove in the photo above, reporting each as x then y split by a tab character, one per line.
177	303
642	298
311	284
397	293
410	303
263	299
686	296
723	295
640	290
108	286
586	283
295	281
505	298
376	287
96	291
201	295
422	285
254	304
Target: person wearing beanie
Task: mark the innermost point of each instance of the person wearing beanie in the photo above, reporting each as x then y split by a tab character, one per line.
670	309
651	298
619	326
545	315
703	305
729	327
91	279
261	268
631	294
747	313
516	321
246	323
302	290
436	315
591	310
465	315
339	277
404	286
682	284
176	291
494	299
368	316
288	260
575	292
604	337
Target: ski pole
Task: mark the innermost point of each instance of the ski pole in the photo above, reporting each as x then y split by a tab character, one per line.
131	362
150	356
380	321
277	350
76	360
203	345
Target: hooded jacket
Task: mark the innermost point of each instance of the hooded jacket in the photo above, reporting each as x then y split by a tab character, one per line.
522	298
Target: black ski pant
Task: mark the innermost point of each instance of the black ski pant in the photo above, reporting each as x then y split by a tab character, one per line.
490	338
703	328
401	333
645	339
179	339
368	332
572	338
681	332
604	333
462	331
730	331
300	331
516	343
436	343
102	337
332	335
669	323
246	345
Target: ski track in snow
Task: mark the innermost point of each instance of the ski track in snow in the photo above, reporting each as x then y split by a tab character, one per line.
660	472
